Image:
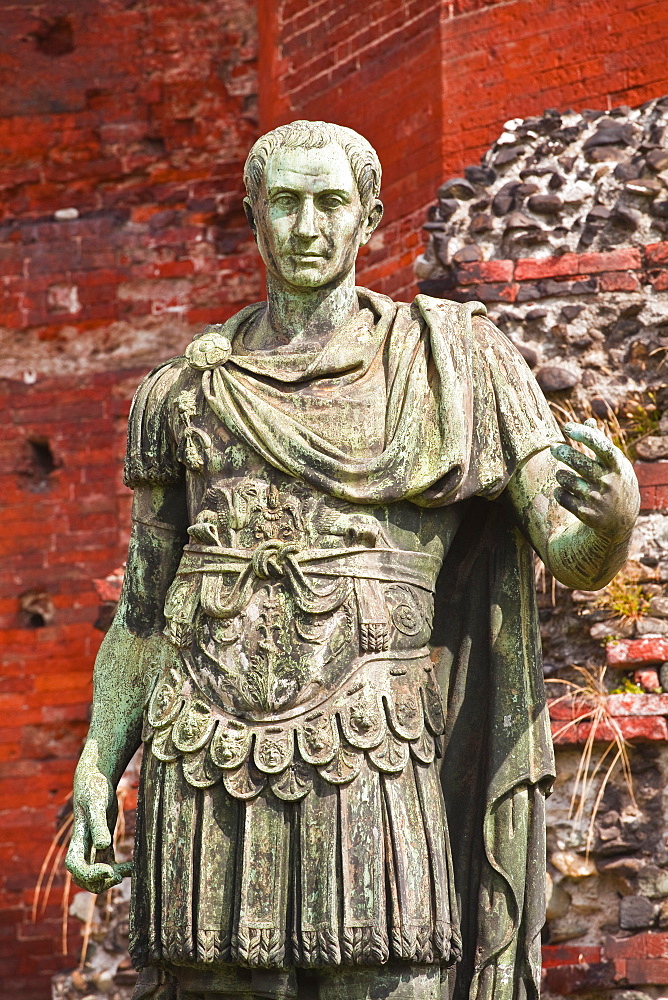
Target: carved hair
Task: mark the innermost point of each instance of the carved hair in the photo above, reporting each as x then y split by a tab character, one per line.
362	157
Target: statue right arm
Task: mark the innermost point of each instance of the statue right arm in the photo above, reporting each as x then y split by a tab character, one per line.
119	682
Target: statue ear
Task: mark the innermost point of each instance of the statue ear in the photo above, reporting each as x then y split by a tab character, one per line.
248	210
372	221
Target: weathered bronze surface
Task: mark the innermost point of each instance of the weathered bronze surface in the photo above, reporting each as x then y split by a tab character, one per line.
327	637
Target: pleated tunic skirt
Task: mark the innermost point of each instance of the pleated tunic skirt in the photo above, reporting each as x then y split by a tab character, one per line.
357	873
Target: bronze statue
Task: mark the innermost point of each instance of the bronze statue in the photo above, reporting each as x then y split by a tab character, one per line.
327	637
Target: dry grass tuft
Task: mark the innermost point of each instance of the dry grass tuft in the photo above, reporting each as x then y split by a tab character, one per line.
591	697
624	599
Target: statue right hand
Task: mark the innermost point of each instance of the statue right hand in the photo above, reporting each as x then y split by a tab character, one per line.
95	810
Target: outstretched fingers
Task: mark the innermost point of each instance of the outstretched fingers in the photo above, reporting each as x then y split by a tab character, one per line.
600	490
590	435
587	467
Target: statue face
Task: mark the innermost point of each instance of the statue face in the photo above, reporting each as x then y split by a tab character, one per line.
309	219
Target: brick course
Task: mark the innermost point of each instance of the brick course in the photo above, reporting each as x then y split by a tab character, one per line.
627	269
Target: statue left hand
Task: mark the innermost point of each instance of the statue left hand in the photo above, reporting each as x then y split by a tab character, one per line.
602	492
90	857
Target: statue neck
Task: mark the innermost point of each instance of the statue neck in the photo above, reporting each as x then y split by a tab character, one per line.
305	314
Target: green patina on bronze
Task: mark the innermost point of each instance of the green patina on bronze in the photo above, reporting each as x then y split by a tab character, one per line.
327	636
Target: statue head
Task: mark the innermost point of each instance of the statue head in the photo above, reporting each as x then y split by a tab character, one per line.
312	200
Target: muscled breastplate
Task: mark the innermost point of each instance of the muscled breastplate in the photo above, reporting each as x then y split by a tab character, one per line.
279	593
291	610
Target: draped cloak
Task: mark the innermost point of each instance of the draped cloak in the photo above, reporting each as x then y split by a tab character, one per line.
462	413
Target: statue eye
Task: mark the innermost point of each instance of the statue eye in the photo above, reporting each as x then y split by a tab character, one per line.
284	200
329	202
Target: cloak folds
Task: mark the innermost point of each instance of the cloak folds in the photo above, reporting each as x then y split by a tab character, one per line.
498	762
461	412
462	409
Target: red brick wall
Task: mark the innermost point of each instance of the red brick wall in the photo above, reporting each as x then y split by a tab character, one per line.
503	60
139	116
639	960
61	529
374	67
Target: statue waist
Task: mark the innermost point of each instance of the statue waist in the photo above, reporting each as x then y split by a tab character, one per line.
274	558
220	583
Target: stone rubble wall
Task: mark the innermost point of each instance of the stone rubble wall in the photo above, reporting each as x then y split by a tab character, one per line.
562	231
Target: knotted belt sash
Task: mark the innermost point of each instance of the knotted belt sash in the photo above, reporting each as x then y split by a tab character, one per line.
201	573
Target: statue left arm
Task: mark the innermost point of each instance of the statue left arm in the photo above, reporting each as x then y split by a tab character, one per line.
578	512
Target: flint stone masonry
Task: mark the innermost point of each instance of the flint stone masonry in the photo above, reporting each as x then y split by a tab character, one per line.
581	291
653	882
597	943
597	210
636	913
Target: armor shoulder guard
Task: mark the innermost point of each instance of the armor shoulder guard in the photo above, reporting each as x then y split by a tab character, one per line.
151	456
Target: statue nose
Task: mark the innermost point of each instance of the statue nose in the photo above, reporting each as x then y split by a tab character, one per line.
306	219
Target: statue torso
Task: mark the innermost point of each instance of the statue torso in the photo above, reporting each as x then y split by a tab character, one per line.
282	591
292	608
296	664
